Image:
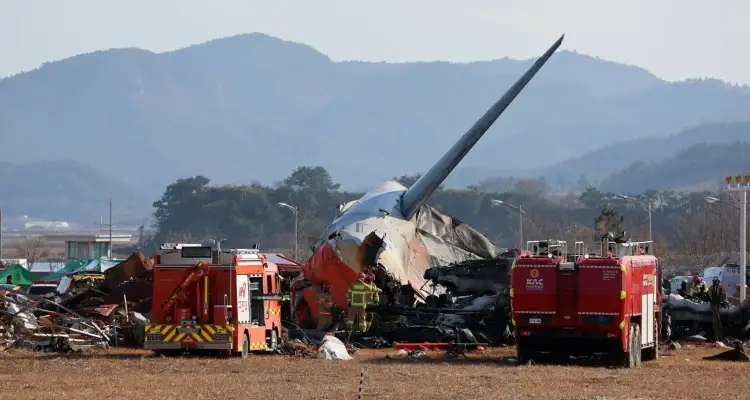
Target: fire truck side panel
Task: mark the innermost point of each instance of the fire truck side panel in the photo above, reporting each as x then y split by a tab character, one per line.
168	330
273	304
215	306
221	294
261	302
587	306
602	297
534	300
243	304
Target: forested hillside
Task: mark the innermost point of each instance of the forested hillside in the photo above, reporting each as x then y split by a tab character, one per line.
193	210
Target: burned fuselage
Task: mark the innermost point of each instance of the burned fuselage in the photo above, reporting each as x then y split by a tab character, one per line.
470	296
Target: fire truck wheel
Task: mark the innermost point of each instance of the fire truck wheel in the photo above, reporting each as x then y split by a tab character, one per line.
523	354
273	341
245	345
629	360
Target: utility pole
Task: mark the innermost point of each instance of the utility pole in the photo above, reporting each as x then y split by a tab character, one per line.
646	206
520	226
109	248
109	225
742	186
650	234
1	234
296	227
140	237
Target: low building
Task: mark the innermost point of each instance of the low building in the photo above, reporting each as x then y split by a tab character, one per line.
90	246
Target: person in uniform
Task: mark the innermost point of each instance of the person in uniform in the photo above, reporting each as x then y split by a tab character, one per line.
736	295
325	307
717	296
695	286
357	295
374	295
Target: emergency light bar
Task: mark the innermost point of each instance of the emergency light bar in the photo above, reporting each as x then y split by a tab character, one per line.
177	246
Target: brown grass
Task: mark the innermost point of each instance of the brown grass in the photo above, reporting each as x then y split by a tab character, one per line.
131	374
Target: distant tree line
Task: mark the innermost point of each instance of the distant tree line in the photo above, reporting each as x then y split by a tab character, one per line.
192	209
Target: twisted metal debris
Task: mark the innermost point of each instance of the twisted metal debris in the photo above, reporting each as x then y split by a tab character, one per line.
101	314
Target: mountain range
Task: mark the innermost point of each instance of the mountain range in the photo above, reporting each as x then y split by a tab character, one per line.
596	167
253	107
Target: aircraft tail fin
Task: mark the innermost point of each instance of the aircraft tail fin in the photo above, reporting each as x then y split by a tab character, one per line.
423	188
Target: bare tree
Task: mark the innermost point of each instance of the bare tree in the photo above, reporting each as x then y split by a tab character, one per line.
30	248
708	229
705	234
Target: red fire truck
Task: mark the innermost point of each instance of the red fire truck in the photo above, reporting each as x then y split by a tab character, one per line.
587	304
196	292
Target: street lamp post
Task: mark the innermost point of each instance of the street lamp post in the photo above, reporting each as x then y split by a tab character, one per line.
109	250
101	224
1	235
521	213
712	200
742	186
296	230
646	206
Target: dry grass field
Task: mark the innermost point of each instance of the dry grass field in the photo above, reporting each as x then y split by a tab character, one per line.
132	374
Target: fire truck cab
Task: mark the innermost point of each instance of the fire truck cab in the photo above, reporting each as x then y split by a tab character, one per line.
207	299
587	304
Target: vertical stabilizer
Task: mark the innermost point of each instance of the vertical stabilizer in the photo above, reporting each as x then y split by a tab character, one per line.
426	185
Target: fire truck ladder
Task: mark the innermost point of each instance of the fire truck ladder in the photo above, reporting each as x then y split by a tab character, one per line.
192	276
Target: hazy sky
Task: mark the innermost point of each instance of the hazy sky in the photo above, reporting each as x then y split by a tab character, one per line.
675	39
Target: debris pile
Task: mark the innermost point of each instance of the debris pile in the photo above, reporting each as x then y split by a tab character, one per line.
86	310
296	348
469	303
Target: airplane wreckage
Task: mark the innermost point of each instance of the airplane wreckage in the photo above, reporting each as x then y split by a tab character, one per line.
684	317
441	279
391	232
